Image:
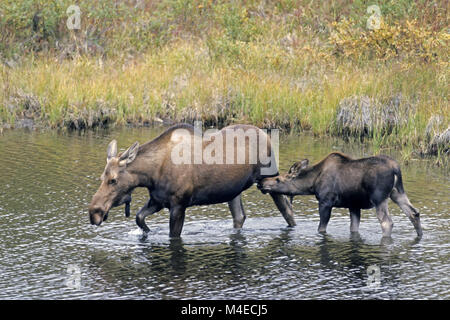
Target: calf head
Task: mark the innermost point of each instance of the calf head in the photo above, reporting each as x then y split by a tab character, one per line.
117	183
290	183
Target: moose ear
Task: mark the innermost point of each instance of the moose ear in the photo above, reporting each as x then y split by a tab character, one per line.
297	167
304	164
111	151
129	155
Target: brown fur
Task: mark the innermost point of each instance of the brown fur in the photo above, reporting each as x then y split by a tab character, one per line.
343	182
177	186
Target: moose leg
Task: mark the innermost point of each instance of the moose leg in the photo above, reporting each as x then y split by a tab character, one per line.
177	214
237	211
291	199
325	214
384	218
150	208
127	209
355	217
403	202
285	208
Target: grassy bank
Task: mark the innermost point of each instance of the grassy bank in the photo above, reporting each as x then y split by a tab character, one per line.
302	65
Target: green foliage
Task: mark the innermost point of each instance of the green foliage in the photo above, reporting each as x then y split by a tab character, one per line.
408	41
287	63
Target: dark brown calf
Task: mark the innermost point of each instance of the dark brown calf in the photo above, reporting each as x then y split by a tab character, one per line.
342	182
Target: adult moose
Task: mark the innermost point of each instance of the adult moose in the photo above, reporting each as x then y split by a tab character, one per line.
177	186
342	182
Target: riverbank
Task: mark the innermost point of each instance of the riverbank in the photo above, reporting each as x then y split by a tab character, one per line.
389	106
296	67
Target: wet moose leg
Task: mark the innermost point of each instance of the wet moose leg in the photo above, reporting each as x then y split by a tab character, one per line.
384	218
237	211
403	202
177	214
355	218
285	208
325	214
150	208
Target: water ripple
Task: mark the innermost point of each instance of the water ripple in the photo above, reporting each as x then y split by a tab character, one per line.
48	180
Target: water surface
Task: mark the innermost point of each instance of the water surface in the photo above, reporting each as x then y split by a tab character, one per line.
49	250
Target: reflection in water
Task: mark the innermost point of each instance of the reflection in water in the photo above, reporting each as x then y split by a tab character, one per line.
246	266
48	180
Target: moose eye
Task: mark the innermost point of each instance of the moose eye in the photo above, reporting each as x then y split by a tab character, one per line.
113	181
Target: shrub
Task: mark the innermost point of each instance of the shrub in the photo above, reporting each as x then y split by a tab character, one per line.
405	40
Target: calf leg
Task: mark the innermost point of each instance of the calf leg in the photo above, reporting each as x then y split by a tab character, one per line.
355	217
237	211
150	208
384	218
177	214
403	202
325	214
285	208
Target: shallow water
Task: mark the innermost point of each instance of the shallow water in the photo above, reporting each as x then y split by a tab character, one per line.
49	250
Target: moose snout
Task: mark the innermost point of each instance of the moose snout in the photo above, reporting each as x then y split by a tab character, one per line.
266	184
97	215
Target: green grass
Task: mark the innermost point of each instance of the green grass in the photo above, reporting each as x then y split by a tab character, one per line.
284	64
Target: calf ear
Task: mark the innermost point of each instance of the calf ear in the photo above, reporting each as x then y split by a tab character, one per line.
297	167
129	155
111	152
304	164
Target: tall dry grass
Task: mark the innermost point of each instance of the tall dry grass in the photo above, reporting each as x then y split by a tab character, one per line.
289	64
